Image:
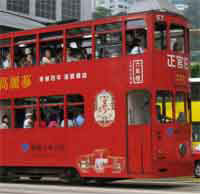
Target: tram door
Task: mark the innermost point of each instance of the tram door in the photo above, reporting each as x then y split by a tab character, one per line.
138	103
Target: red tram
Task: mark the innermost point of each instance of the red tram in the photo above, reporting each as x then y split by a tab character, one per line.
105	99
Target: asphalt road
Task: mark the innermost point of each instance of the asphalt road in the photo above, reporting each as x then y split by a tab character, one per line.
133	187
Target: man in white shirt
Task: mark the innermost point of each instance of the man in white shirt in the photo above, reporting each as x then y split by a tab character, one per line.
28	122
137	49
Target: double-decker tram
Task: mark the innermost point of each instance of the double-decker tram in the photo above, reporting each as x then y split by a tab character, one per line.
105	99
195	97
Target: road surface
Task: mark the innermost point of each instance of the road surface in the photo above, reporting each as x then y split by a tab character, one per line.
124	187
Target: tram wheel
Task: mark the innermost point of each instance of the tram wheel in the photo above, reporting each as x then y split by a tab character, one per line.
72	176
197	169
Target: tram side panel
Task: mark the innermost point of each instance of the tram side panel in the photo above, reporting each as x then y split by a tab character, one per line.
172	148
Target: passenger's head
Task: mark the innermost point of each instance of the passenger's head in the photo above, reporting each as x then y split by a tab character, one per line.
4	119
8	55
29	57
48	53
53	117
29	115
136	42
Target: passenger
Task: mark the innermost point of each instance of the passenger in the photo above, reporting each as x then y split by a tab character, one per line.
7	63
53	121
177	47
48	59
28	62
28	122
181	117
4	122
79	120
136	48
59	57
160	117
70	121
70	56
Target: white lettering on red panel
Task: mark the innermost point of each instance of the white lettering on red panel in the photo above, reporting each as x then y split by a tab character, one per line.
65	76
136	72
178	62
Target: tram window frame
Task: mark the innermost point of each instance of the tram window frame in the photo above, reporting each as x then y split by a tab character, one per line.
53	43
177	42
28	110
79	44
162	98
75	109
54	111
139	119
5	44
136	36
162	37
181	116
105	39
25	46
5	112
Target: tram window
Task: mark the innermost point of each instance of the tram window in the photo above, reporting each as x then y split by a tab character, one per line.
51	49
181	108
138	107
75	111
5	57
25	51
5	114
136	36
51	111
160	35
108	41
25	112
164	107
195	92
177	38
196	132
79	44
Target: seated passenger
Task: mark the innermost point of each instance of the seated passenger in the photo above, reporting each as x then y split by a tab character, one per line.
181	117
160	117
136	48
7	63
48	59
59	57
28	62
79	120
53	123
177	47
71	57
4	122
28	122
70	123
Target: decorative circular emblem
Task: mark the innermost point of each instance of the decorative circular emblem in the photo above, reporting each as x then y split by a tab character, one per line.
182	149
104	113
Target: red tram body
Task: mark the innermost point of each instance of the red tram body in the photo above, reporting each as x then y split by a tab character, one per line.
118	96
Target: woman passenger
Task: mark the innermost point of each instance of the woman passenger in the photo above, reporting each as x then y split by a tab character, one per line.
4	122
53	123
7	63
48	59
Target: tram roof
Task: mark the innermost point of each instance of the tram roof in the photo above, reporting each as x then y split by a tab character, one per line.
154	5
18	22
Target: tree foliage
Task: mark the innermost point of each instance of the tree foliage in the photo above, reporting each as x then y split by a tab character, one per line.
195	70
101	12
